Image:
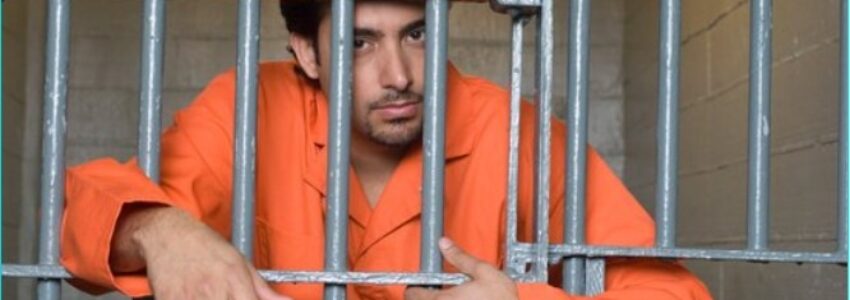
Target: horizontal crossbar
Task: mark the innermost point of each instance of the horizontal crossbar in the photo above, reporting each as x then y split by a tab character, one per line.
384	278
558	252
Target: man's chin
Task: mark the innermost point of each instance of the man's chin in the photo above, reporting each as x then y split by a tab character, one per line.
395	139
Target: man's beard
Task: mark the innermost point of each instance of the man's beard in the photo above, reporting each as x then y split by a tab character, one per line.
408	134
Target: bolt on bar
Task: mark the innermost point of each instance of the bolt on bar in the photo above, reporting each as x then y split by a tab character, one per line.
53	141
844	128
246	124
758	190
517	24
336	224
668	128
543	134
574	219
433	135
153	27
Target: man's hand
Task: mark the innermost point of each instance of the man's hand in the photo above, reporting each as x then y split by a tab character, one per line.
487	281
185	259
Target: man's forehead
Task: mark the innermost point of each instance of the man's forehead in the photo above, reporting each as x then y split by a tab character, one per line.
388	14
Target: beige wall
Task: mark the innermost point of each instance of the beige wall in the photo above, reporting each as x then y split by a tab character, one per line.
713	137
21	67
102	109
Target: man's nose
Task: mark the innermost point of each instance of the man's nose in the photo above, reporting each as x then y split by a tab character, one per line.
396	70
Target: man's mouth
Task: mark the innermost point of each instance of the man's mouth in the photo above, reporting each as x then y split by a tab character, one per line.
397	109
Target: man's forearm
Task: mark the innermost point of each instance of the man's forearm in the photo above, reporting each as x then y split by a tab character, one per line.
136	223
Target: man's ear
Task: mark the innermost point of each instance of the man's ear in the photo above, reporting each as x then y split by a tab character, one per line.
305	54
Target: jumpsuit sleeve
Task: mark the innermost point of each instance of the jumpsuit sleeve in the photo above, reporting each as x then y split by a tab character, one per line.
194	176
615	218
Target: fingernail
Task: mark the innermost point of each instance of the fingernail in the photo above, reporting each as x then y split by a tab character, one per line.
445	243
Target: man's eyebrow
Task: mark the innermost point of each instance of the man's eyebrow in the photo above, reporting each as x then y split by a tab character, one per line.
416	25
371	32
367	32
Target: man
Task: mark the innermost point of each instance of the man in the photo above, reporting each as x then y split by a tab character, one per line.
122	231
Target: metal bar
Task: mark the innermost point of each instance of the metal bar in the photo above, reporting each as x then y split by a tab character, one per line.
844	135
758	190
246	123
336	222
517	3
595	276
559	251
386	278
153	29
366	278
543	136
53	140
514	269
668	125
514	6
433	135
577	85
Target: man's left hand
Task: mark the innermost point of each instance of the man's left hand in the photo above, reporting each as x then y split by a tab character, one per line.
487	281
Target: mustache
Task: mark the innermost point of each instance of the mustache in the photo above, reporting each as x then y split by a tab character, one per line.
394	98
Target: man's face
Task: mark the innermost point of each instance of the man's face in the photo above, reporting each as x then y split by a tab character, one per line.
389	49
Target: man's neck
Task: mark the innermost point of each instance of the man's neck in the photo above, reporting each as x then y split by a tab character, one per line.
374	165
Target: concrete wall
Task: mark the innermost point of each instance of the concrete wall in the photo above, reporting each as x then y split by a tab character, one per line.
200	43
22	70
713	138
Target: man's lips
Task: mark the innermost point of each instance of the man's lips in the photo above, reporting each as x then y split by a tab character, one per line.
397	110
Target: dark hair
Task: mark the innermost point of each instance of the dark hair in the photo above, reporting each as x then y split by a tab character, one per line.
302	17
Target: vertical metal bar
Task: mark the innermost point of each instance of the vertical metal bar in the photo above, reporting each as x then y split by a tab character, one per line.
513	143
336	223
758	190
579	40
433	136
595	276
668	128
246	124
153	28
53	141
543	136
844	135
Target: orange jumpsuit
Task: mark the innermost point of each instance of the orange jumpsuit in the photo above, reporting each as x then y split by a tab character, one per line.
290	193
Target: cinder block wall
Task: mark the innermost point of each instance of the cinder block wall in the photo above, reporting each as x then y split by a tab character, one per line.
713	137
21	70
200	43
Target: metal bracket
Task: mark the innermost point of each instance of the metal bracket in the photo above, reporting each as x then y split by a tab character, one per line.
524	6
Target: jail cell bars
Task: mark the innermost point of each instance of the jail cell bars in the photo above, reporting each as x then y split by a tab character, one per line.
583	268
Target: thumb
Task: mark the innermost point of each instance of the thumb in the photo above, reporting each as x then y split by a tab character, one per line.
464	262
264	291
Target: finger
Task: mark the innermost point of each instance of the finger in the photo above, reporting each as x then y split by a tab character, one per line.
464	262
418	293
264	291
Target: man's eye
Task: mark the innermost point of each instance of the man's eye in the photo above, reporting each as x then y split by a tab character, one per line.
417	35
359	43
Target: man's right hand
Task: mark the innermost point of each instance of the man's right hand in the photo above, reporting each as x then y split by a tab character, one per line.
184	258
